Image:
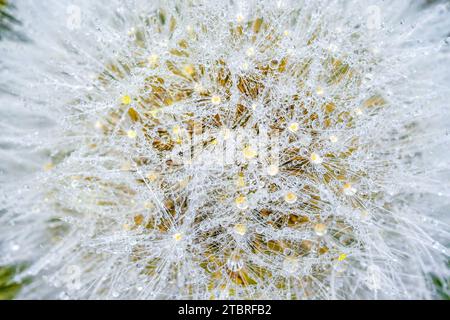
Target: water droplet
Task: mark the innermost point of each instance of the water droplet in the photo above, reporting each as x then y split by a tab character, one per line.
235	263
320	229
291	265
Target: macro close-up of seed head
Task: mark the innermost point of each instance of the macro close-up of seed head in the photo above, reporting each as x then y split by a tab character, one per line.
244	150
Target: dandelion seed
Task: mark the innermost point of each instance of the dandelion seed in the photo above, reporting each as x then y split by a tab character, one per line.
240	229
315	158
358	111
241	202
199	88
291	265
334	139
349	190
226	134
98	125
290	198
235	264
153	60
342	257
176	130
126	100
132	134
249	153
177	237
273	170
320	91
240	182
49	166
189	69
294	127
250	52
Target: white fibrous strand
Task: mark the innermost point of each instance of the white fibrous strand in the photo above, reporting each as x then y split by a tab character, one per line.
227	149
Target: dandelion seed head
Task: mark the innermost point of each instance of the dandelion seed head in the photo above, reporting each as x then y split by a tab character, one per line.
231	150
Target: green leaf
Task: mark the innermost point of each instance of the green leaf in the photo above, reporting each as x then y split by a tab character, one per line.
7	20
8	287
442	287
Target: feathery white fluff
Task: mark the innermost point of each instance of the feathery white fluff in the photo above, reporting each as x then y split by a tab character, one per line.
226	149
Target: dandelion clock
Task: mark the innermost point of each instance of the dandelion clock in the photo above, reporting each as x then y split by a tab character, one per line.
225	150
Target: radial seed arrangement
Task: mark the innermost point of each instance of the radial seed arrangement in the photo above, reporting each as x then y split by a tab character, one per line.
228	150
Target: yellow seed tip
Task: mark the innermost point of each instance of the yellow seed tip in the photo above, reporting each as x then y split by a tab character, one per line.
315	158
126	100
240	229
273	170
249	153
294	127
177	237
216	100
132	134
342	257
